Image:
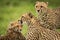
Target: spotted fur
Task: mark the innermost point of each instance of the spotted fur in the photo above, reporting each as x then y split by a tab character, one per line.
13	32
49	18
36	31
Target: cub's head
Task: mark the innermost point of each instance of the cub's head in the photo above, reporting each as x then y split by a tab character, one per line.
16	26
28	18
41	6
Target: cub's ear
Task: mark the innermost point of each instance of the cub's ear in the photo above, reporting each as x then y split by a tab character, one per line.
30	15
20	21
37	2
46	3
12	24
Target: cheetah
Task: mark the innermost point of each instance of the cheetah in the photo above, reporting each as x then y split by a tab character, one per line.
36	31
16	24
49	18
13	32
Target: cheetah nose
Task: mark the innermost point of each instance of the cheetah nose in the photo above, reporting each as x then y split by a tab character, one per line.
38	10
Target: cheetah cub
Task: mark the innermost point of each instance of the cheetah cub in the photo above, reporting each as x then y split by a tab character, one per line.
36	31
13	32
49	18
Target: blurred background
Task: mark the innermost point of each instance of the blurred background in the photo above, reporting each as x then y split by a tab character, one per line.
11	10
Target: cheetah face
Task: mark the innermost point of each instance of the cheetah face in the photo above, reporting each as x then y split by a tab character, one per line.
41	6
27	17
16	26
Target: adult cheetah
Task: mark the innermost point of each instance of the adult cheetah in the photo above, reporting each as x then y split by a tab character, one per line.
49	18
13	32
36	31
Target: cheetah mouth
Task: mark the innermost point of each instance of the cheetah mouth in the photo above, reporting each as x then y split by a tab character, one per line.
41	11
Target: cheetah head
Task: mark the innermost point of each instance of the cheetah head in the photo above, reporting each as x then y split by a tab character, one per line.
16	26
41	6
27	18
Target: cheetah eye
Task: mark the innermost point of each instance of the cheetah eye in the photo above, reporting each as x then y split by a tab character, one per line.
41	6
12	24
17	25
36	6
30	15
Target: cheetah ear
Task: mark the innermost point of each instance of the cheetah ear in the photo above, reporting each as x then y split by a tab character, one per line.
30	14
46	3
20	21
37	2
11	24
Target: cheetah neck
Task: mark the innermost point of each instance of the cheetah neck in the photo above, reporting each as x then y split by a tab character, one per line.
34	23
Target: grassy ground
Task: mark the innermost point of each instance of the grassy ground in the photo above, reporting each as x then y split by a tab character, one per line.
8	14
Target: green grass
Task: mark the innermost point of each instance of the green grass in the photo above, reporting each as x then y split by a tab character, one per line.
9	13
